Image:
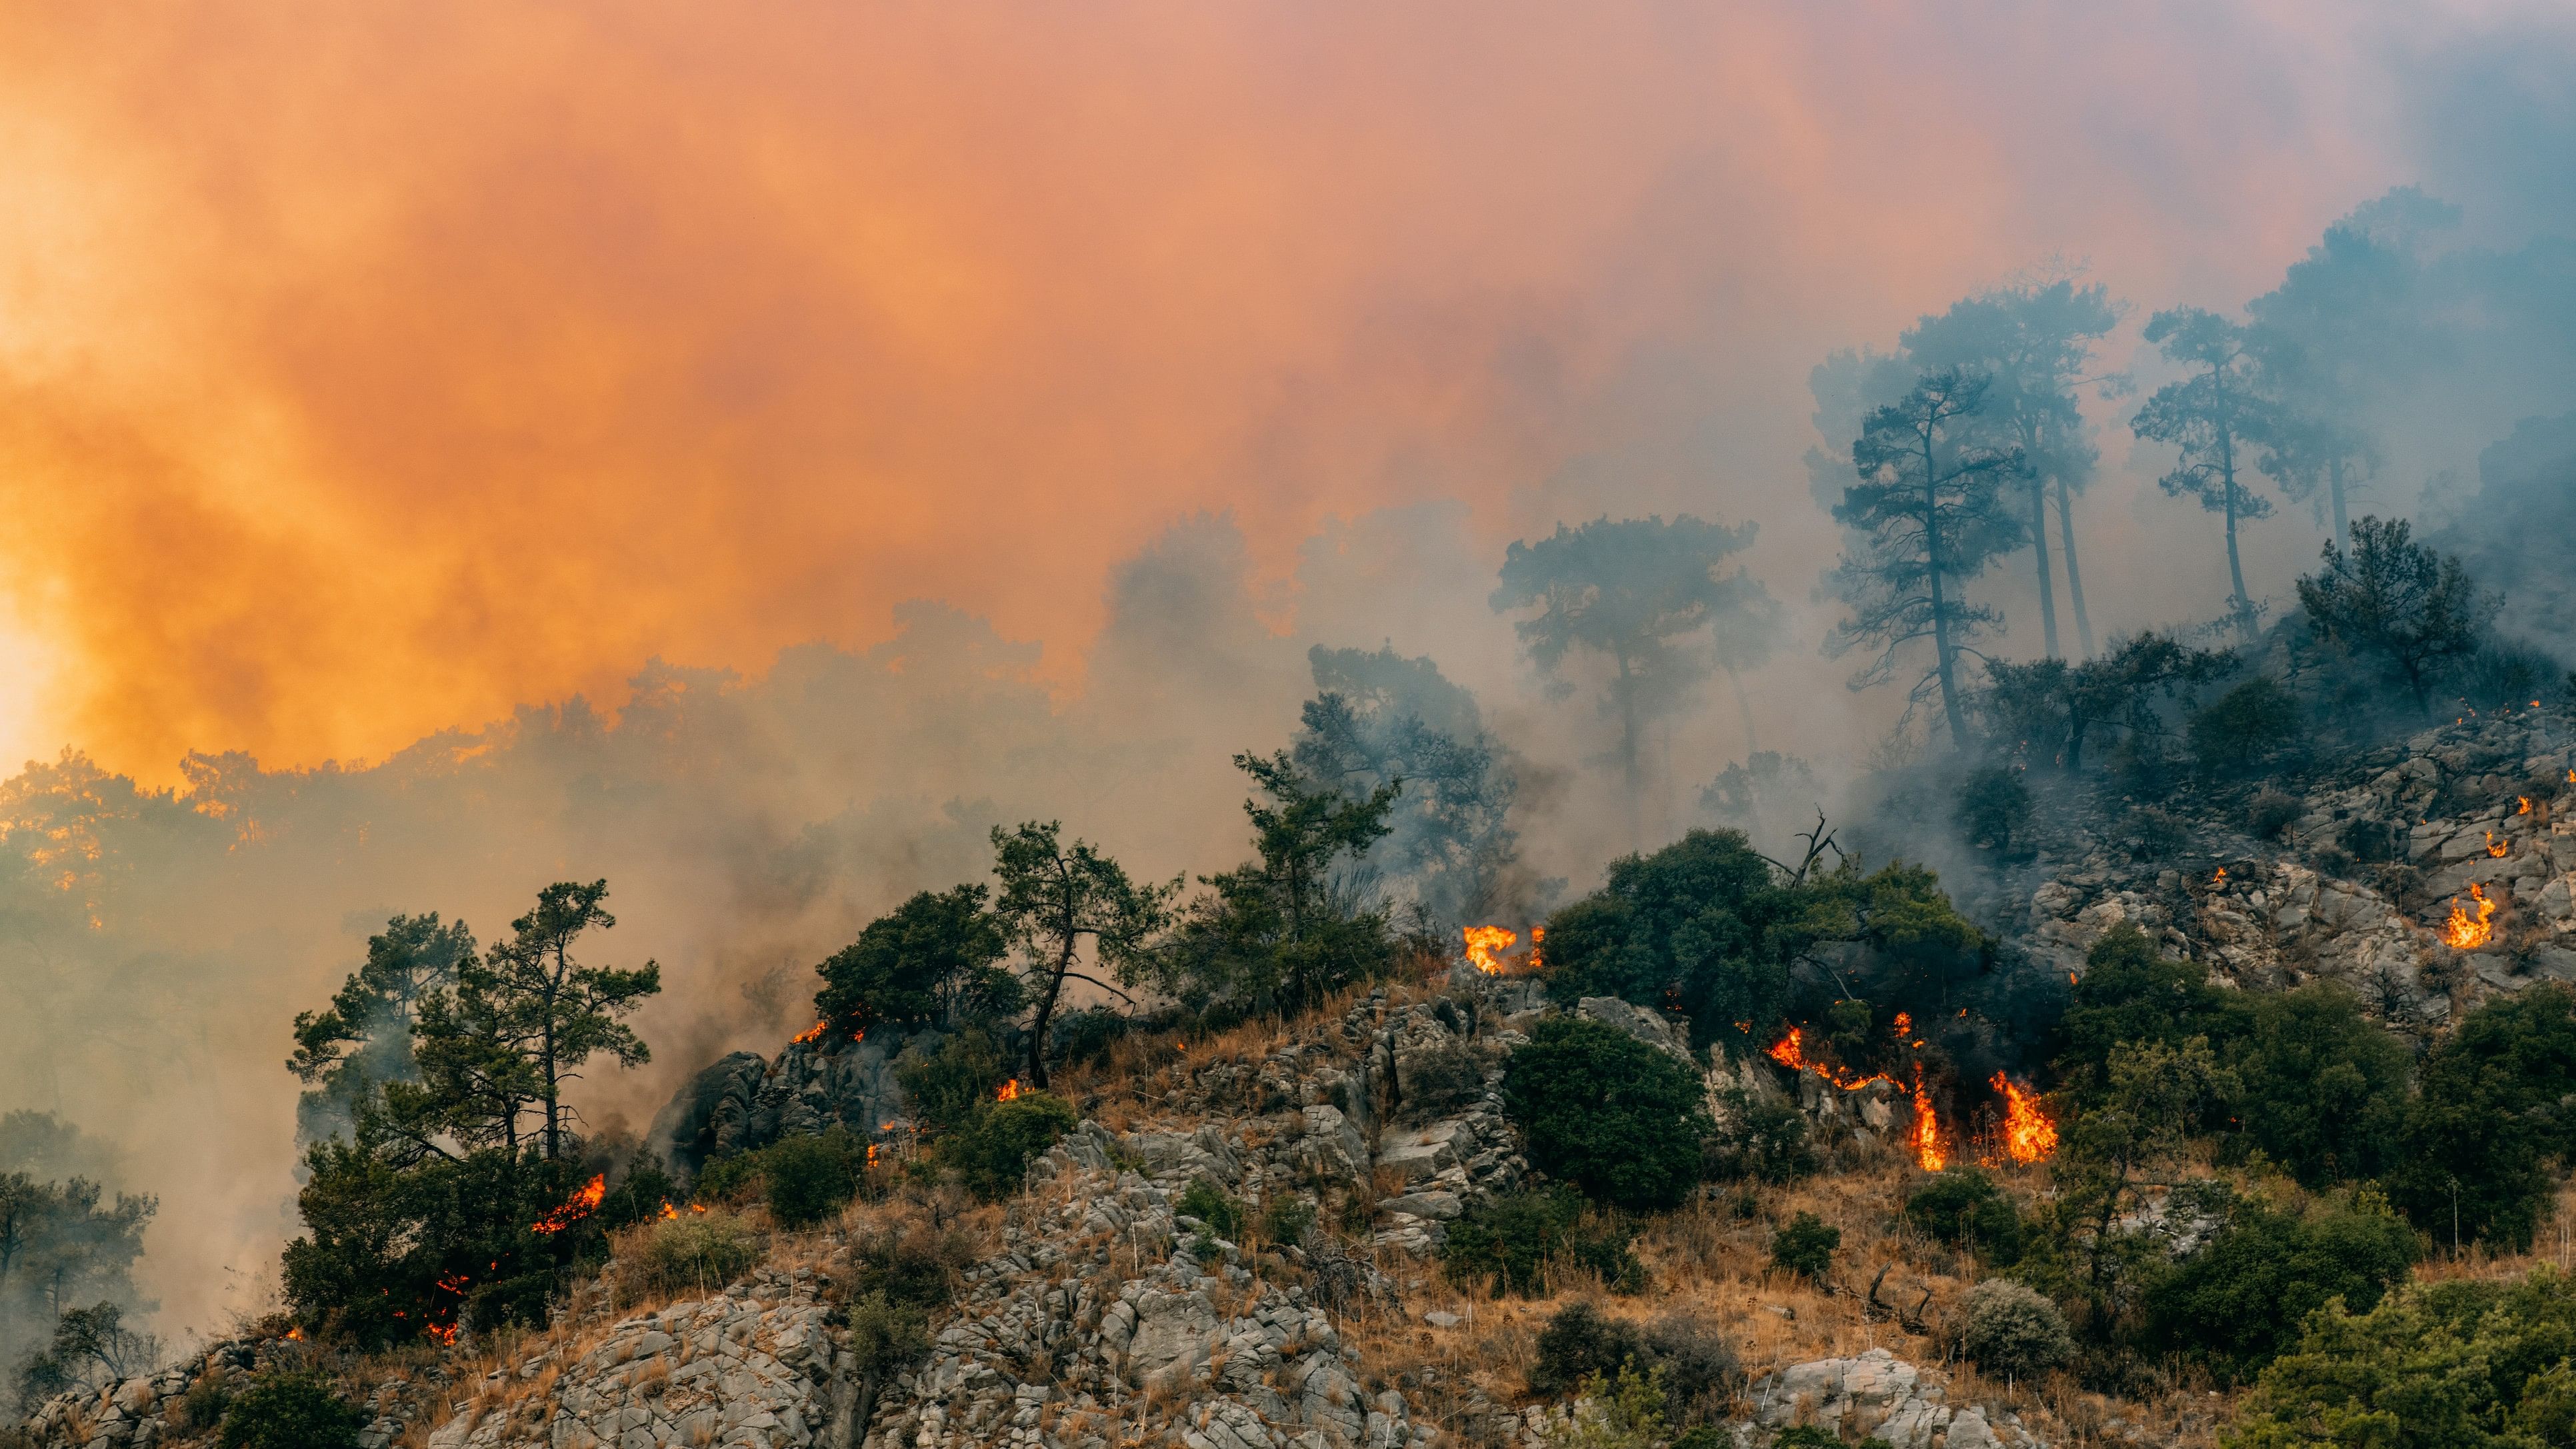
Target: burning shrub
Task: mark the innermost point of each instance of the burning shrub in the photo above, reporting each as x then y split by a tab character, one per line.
692	1252
1762	1139
806	1179
1964	1208
1600	1109
992	1152
2013	1331
948	1084
291	1411
640	1194
2246	724
1805	1245
2237	1302
1509	1243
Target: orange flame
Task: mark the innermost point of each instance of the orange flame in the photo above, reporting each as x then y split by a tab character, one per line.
2029	1135
872	1154
1010	1091
295	1334
1537	934
2220	878
2497	848
1790	1051
810	1034
1485	945
583	1204
2463	934
1929	1151
2522	805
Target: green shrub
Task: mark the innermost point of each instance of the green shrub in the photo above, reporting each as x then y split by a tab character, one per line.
2153	834
1994	808
1963	1207
1761	1139
2471	1149
2272	812
1600	1109
1202	1200
291	1411
886	1337
808	1178
1512	1242
2246	724
1697	1363
1440	1082
991	1152
1285	1219
2323	1085
948	1086
2237	1301
202	1407
2013	1331
917	1268
1805	1245
1579	1344
694	1251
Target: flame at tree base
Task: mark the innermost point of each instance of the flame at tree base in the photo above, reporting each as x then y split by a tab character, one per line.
2029	1135
2462	934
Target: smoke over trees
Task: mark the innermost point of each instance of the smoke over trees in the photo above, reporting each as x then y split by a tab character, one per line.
1635	592
2214	419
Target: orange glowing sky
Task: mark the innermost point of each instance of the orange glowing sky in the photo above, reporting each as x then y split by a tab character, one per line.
367	369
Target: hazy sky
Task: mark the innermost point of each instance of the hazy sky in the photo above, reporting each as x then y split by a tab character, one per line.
365	370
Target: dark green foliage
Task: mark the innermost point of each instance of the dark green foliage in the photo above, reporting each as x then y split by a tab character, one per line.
1806	1436
2322	1087
807	1179
1275	934
936	958
949	1083
291	1411
202	1406
1637	593
918	1268
1697	1363
2246	724
1602	1110
2012	1331
1085	1036
1762	1139
1578	1343
1805	1245
1440	1082
1054	896
1964	1208
2153	834
640	1193
2130	994
1285	1219
2054	709
991	1153
1931	509
2238	1300
1993	808
1513	1242
552	1011
364	1039
2399	603
1707	927
1206	1202
2460	1364
2489	1112
886	1337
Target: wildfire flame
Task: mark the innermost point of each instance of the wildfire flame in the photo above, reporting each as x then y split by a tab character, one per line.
583	1204
1925	1136
2497	848
2029	1136
2522	804
2220	878
1537	934
670	1214
872	1154
2464	934
1485	945
1010	1091
811	1034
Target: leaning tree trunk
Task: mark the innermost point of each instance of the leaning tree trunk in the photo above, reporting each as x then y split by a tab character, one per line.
2047	581
2074	575
2236	572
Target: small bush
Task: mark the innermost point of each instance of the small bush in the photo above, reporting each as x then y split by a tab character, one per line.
1697	1363
1511	1242
1579	1344
1286	1219
1994	808
639	1194
1620	1119
2372	842
1202	1200
916	1268
991	1153
2151	834
2272	812
2246	724
2013	1331
886	1337
808	1178
1964	1207
202	1407
291	1411
2508	676
1440	1082
1084	1037
695	1250
948	1086
1763	1139
1805	1245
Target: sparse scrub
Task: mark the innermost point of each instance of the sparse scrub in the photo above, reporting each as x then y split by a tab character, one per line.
1805	1245
291	1411
692	1252
1515	1242
1440	1082
2011	1330
1964	1208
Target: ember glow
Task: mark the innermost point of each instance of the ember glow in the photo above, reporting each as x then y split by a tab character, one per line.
812	1033
2497	848
2463	934
2029	1135
583	1204
1010	1091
